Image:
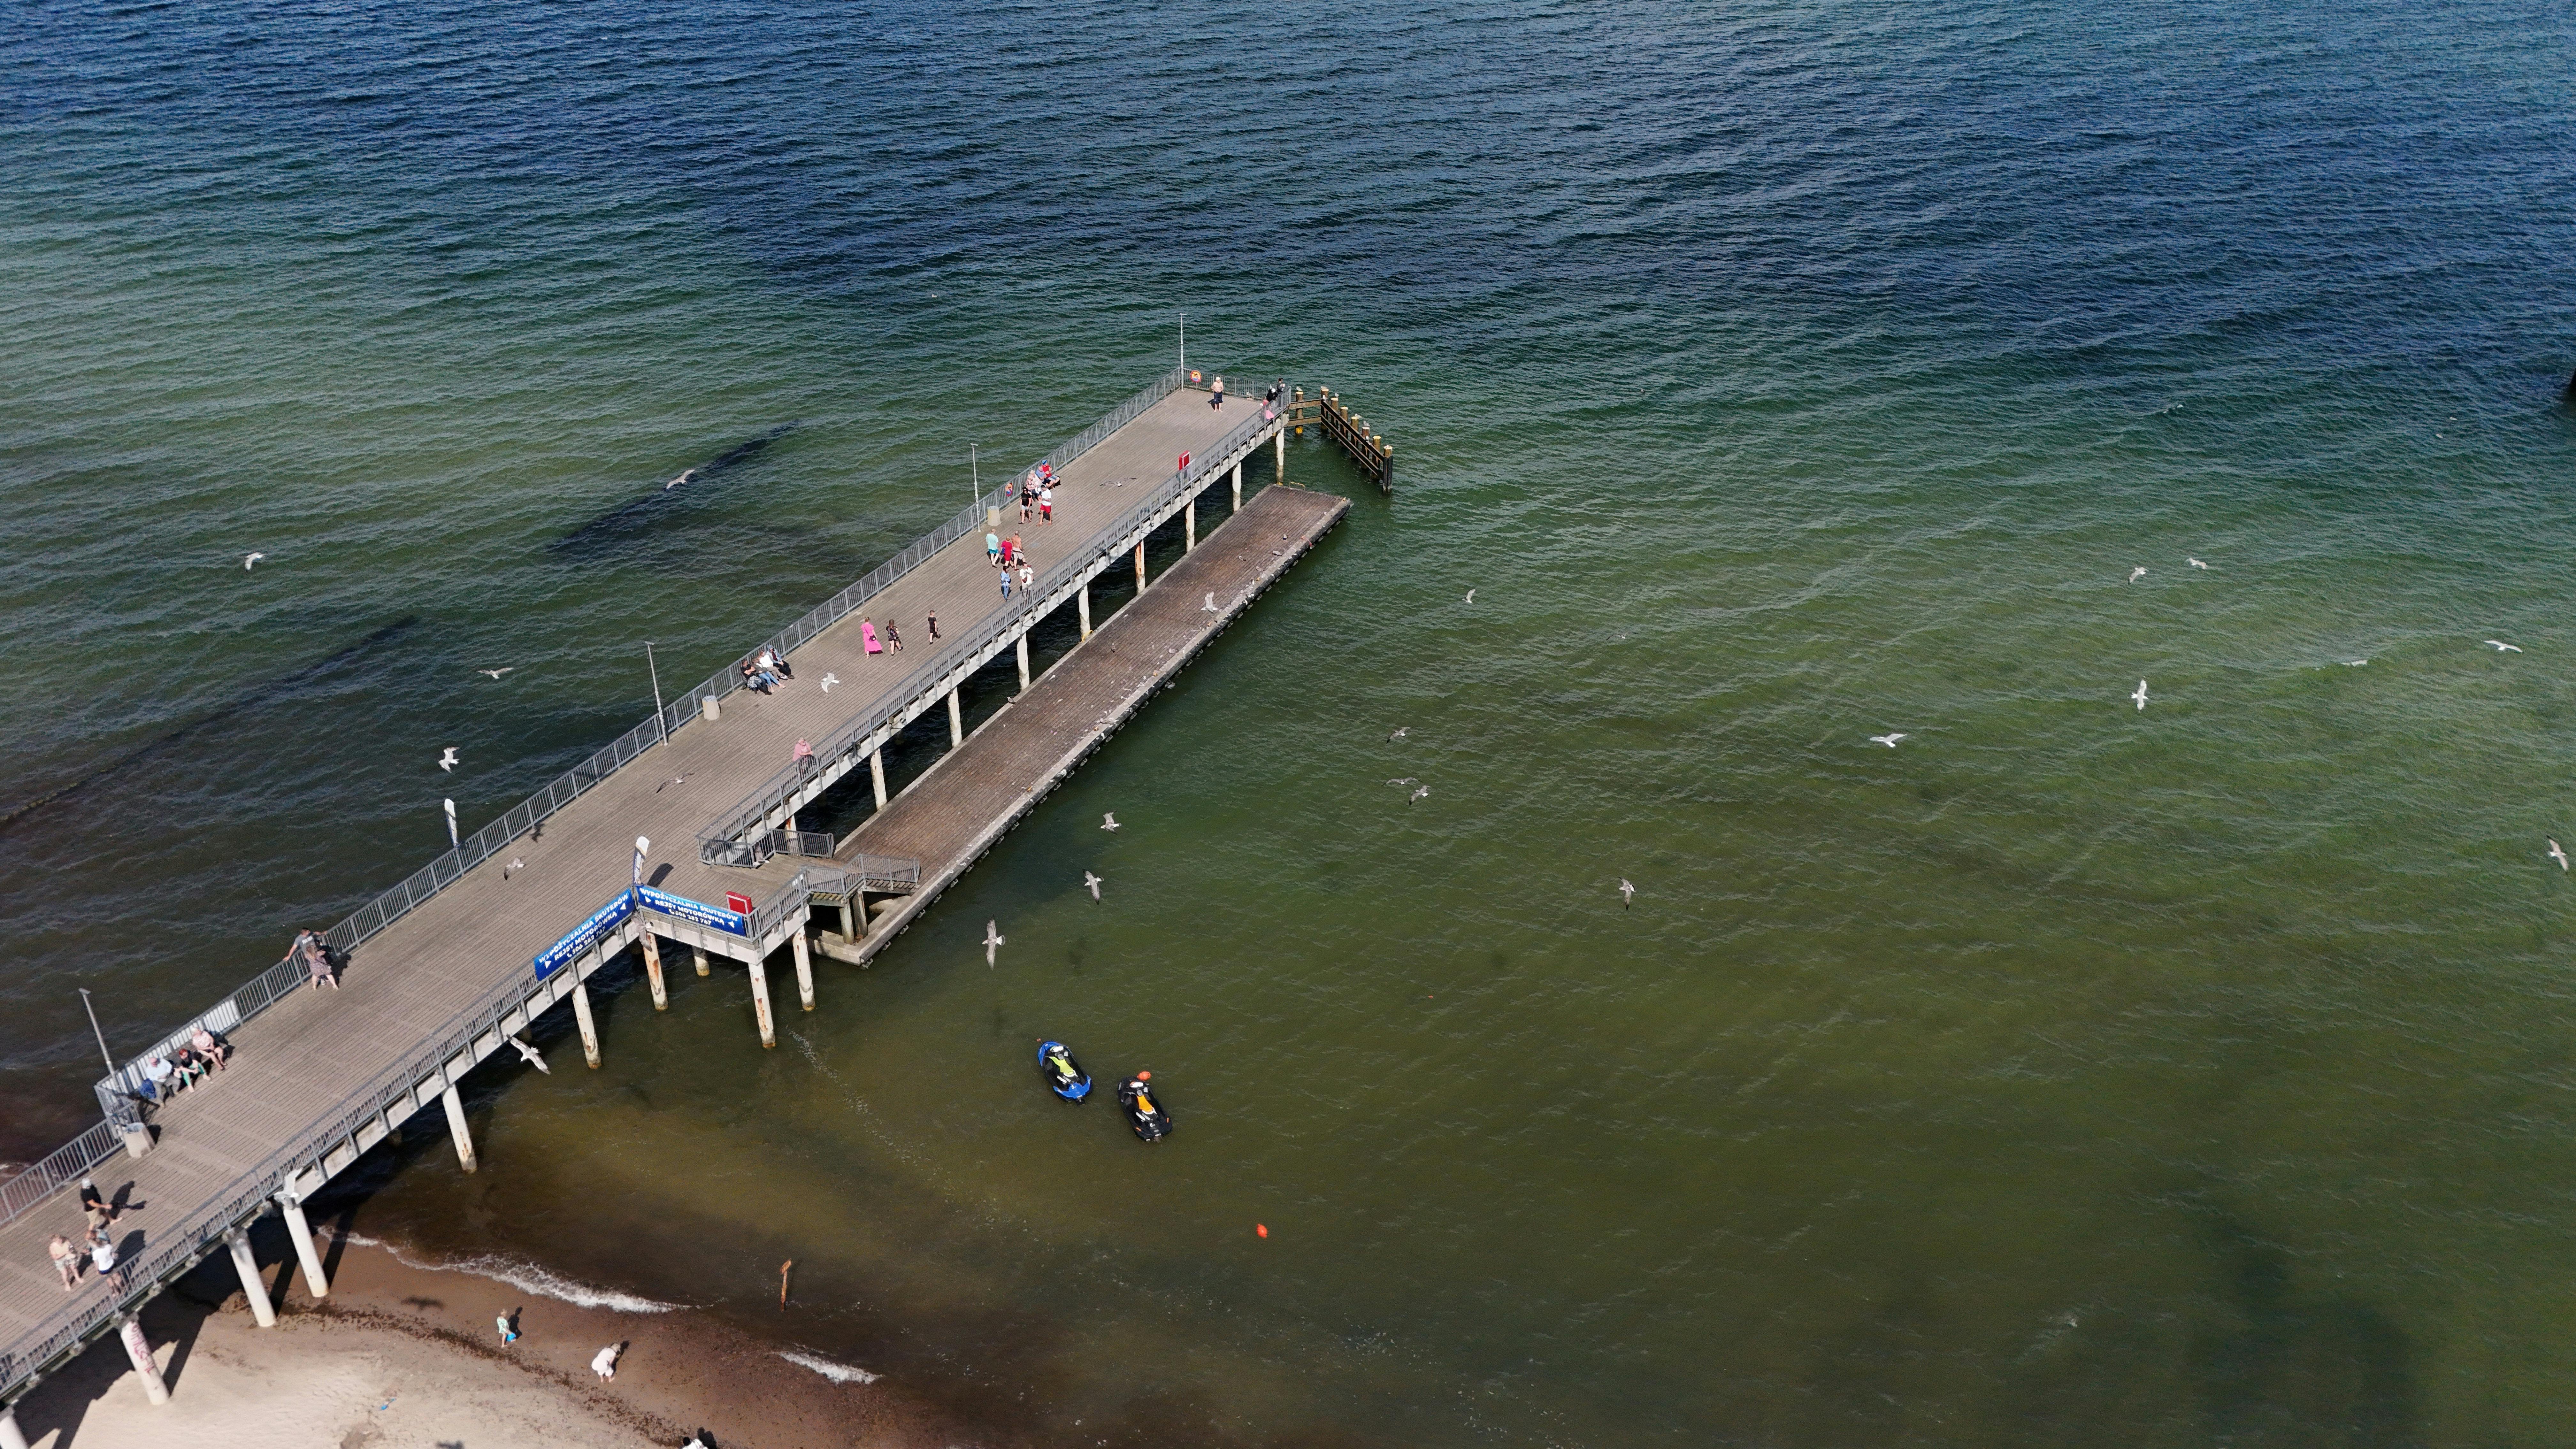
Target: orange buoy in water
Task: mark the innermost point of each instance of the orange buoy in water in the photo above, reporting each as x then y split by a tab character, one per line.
1261	1228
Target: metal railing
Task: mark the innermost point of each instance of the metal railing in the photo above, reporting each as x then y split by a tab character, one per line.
60	1168
723	843
119	1092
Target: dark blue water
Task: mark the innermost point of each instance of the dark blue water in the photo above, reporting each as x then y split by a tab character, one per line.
1777	376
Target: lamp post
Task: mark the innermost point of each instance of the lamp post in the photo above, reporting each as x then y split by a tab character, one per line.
974	479
655	670
94	1031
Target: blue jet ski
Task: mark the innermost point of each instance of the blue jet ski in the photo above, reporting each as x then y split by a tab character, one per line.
1146	1115
1064	1076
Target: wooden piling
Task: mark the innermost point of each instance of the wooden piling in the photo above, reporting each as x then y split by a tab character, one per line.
1140	567
589	1028
760	1001
653	971
804	967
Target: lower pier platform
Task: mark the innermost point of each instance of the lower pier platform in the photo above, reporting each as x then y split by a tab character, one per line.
957	809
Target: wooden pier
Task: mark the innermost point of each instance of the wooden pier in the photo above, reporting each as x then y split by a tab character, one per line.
684	841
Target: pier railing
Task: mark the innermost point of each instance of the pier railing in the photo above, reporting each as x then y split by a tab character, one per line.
727	841
121	1090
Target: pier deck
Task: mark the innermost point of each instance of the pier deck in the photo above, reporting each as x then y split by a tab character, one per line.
303	1061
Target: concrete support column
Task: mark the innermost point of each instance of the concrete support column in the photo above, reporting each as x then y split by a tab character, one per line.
957	719
804	968
1238	485
1024	661
138	1352
456	1126
589	1028
760	1001
653	972
876	774
1085	596
246	1263
1190	524
299	1231
1140	567
700	952
850	932
1279	456
11	1436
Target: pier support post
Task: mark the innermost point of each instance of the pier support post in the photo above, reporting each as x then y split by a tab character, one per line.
589	1028
876	774
456	1126
1238	486
956	721
653	972
859	898
804	968
1140	567
701	953
246	1263
1190	524
760	999
299	1231
1085	596
1279	456
1024	661
138	1352
11	1436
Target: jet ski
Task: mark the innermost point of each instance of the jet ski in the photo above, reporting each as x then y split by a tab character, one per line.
1146	1115
1064	1076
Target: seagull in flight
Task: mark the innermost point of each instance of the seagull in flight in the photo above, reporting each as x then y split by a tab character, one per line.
497	673
2195	563
1407	780
1108	821
249	559
1091	883
992	940
828	681
1418	792
690	476
2557	854
1627	893
2141	695
1399	734
1471	596
1887	740
1210	605
2137	573
447	761
2502	647
529	1054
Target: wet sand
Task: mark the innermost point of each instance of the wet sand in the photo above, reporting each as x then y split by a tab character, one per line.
403	1356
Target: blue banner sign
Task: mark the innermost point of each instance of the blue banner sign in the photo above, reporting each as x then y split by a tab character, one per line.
730	922
586	935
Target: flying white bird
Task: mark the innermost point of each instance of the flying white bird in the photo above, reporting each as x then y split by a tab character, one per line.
992	940
1210	605
1471	596
2137	573
249	559
1399	734
1407	780
1091	883
1108	822
1418	792
688	477
828	681
1887	740
530	1054
2557	854
1627	893
2141	695
2355	663
447	761
2502	647
2195	563
497	673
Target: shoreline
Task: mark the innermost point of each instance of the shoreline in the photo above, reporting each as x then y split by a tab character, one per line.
405	1354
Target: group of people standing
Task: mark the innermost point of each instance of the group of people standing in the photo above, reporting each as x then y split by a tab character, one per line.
1013	560
96	1250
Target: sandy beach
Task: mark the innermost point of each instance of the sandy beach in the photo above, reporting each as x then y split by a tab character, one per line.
407	1357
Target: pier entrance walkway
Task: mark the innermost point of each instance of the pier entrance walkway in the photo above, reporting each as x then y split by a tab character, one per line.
324	1073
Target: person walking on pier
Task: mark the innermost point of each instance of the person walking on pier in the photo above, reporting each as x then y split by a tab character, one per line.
1046	503
894	639
102	1256
317	960
95	1206
993	546
934	626
66	1260
1006	581
1028	574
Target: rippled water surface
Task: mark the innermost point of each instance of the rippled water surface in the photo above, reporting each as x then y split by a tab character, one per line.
1776	376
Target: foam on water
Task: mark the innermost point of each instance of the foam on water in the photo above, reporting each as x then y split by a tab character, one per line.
525	1276
839	1373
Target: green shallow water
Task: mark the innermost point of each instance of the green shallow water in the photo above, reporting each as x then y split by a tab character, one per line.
2070	1073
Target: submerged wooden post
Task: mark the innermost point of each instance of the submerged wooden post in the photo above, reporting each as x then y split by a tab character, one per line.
589	1028
701	953
760	997
804	968
1140	566
653	971
246	1264
1024	660
876	774
1085	597
455	1106
1190	524
299	1231
138	1352
957	715
1238	485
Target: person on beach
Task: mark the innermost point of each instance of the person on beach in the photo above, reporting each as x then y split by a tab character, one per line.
934	626
993	547
66	1260
509	1330
604	1362
1046	503
1216	393
894	640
